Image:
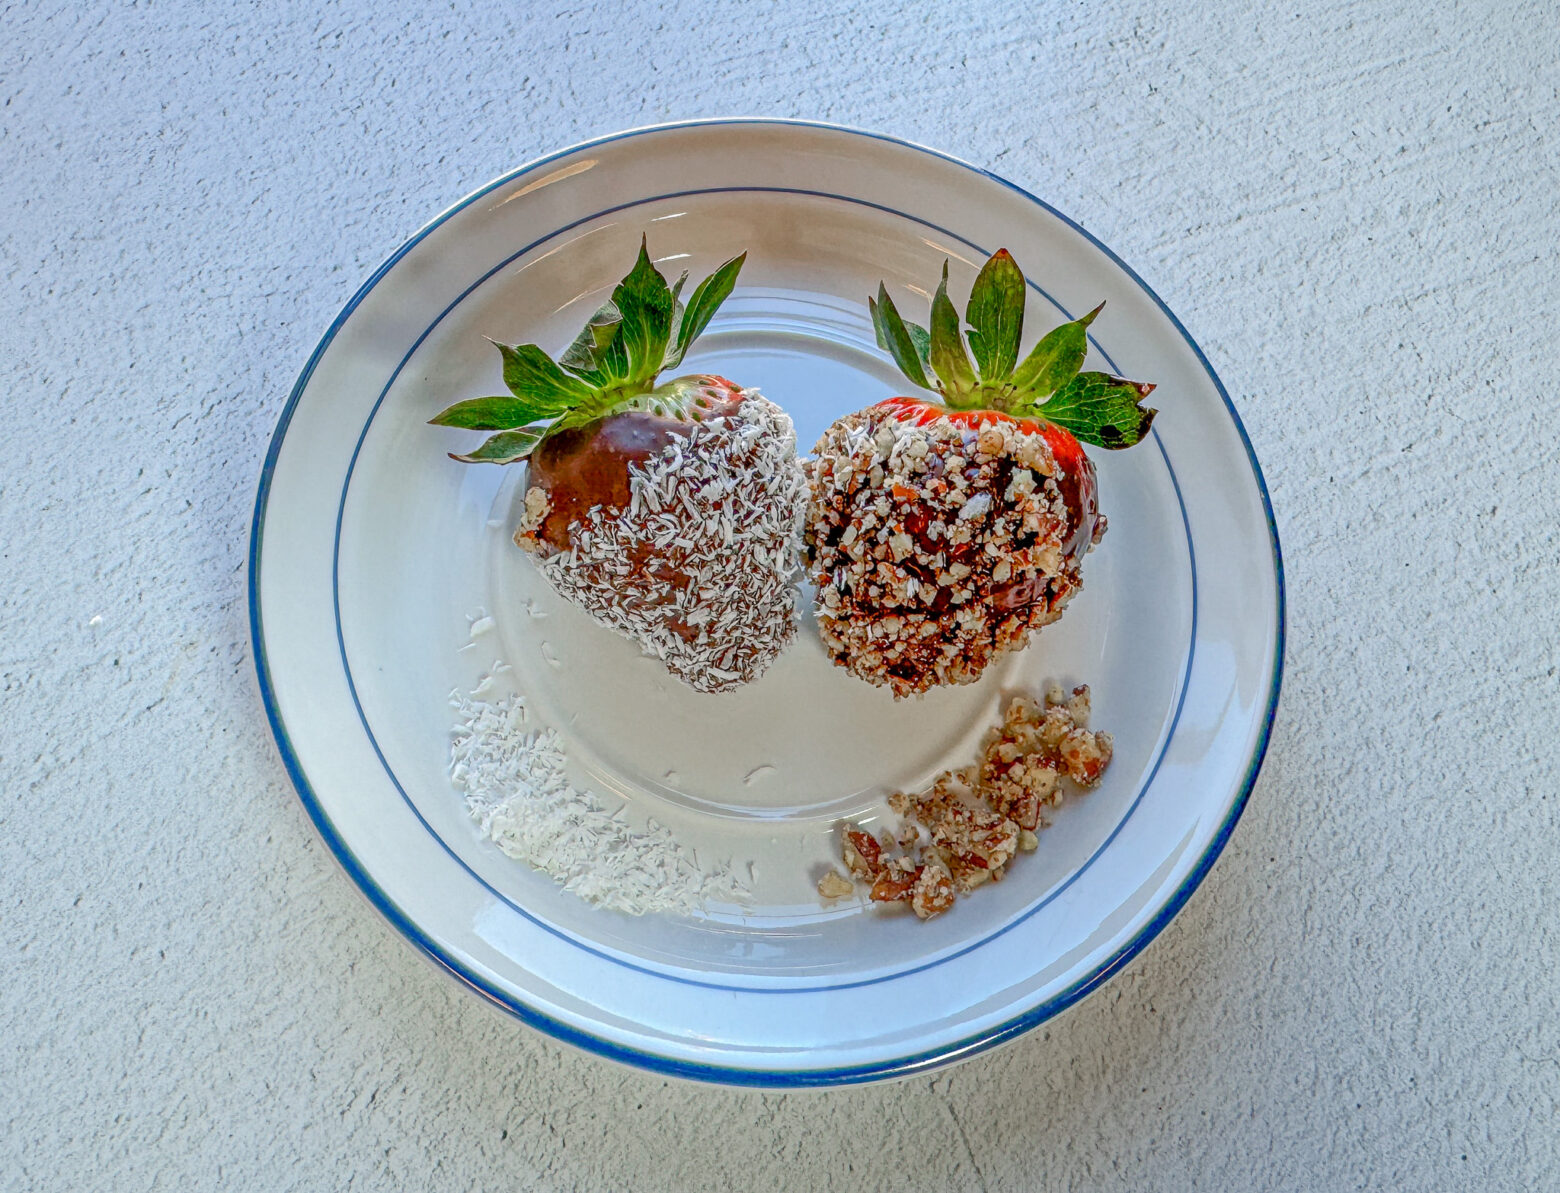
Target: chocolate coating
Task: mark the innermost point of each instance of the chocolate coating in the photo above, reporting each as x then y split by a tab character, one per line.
584	467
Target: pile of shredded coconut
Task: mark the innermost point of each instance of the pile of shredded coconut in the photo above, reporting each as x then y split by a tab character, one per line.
517	791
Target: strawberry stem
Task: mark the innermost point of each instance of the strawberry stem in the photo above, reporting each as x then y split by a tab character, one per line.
612	364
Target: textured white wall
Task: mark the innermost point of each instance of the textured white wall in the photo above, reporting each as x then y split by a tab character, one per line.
1354	209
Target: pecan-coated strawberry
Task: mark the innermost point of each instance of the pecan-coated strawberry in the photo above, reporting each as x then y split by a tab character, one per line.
942	531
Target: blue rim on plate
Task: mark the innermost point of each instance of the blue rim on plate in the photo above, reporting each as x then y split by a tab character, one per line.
895	1067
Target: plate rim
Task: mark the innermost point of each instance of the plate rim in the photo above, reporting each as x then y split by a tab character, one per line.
980	1041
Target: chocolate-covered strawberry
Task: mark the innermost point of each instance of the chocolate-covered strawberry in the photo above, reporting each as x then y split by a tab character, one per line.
941	533
670	512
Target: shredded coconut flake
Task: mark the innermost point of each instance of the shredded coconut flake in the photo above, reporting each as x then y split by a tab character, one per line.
517	791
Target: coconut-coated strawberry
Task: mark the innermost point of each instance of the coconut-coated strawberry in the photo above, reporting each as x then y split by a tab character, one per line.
670	512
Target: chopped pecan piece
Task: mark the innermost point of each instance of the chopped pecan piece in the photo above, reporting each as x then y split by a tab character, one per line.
933	892
894	886
863	855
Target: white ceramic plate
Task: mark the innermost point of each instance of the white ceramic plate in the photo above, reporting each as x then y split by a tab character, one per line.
371	551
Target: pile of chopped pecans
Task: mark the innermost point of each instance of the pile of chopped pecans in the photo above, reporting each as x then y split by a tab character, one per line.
967	829
936	548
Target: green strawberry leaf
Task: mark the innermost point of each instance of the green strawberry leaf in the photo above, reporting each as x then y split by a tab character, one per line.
706	300
532	377
490	414
646	303
996	317
503	449
922	340
895	338
612	368
949	360
1099	409
675	332
1056	359
586	354
671	399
